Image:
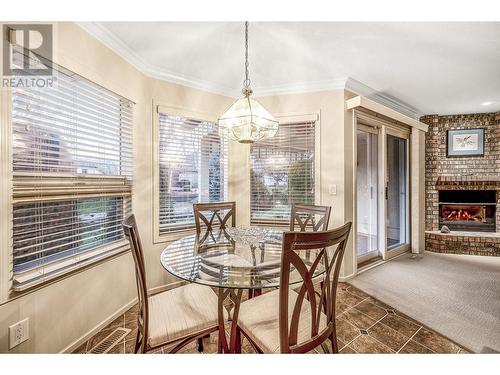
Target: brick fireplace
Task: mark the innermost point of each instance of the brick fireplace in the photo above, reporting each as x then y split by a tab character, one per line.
471	210
463	193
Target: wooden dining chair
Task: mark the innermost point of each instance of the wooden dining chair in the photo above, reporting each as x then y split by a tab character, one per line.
176	316
287	321
211	217
307	217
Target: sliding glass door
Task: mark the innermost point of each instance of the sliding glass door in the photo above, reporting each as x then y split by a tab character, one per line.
367	244
396	191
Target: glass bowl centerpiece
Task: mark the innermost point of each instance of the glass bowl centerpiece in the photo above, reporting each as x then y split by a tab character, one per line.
247	235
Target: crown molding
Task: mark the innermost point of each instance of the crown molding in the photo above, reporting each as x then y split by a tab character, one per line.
114	43
345	83
298	88
389	101
103	35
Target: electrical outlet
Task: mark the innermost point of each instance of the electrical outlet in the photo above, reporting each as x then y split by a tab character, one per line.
19	333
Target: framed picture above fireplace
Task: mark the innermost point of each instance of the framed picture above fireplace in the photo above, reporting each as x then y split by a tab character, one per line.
465	142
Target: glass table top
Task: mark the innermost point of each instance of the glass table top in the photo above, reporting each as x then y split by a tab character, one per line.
241	257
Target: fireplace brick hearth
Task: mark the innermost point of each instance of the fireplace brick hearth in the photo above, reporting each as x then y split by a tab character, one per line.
463	243
461	173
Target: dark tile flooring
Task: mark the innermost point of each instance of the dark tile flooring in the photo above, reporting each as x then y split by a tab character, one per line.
364	325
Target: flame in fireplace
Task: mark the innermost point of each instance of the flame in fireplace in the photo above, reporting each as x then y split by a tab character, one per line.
463	213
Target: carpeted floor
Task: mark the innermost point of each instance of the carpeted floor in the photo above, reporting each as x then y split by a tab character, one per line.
456	295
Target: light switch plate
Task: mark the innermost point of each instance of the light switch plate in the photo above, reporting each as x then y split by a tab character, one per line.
332	189
19	333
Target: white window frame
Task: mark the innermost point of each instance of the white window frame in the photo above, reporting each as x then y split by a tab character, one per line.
166	108
5	194
296	118
108	251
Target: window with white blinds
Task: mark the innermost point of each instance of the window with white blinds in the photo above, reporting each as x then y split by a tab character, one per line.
282	173
72	174
193	168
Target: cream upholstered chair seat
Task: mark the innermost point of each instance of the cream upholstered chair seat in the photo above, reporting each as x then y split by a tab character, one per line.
259	319
181	311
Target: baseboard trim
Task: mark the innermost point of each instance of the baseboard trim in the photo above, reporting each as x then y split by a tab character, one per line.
162	288
75	344
346	278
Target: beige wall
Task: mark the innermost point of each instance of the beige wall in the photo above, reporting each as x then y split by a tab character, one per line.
67	310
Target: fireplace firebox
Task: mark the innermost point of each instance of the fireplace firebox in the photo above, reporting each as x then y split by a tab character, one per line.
468	210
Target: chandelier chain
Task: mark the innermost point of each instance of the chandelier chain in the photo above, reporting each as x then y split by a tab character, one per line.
246	82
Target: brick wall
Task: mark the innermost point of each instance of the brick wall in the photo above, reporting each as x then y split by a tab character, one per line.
484	168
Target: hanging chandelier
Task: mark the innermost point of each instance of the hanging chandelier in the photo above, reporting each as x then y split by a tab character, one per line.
247	121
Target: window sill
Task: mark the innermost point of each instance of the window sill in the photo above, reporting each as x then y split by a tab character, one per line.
14	294
271	224
173	236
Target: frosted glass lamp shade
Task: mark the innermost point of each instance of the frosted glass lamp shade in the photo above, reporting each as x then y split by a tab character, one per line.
247	121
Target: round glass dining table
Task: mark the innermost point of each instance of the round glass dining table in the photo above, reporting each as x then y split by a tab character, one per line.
231	260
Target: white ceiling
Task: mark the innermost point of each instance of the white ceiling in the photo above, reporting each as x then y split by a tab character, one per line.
443	68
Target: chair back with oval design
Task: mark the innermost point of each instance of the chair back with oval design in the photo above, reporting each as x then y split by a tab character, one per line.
212	217
327	250
306	217
132	234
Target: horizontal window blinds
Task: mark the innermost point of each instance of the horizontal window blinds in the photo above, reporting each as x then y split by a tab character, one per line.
72	175
282	173
192	168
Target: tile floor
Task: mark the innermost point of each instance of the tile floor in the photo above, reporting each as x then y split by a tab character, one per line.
364	325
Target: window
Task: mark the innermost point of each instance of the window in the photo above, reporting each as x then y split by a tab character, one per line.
72	172
192	168
282	173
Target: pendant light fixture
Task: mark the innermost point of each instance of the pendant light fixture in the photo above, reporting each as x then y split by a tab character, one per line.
247	121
